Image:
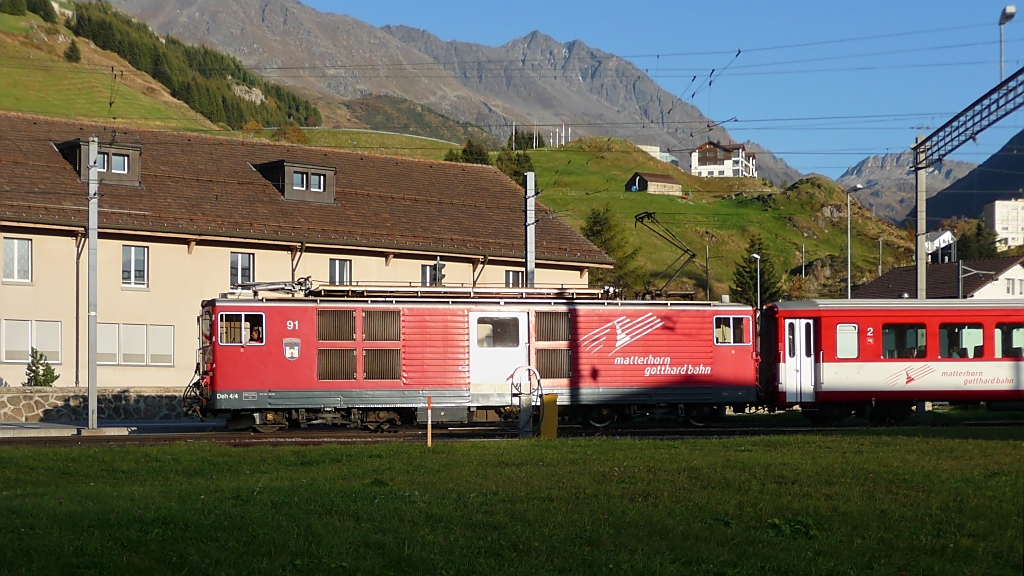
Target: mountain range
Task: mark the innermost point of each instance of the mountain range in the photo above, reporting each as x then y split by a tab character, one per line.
889	188
530	81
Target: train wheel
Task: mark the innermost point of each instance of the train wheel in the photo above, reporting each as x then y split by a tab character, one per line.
601	417
703	414
267	428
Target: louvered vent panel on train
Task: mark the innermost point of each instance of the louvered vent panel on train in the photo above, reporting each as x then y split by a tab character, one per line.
382	325
336	364
553	326
556	363
382	364
336	325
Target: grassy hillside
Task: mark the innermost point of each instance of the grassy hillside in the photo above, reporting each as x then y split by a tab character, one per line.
37	80
719	217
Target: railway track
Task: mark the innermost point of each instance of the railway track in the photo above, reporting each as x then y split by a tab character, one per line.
415	434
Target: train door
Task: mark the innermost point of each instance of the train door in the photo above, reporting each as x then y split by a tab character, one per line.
498	344
801	369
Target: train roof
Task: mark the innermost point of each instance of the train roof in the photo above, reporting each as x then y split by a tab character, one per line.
587	297
901	304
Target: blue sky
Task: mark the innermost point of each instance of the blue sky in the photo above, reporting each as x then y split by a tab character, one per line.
823	84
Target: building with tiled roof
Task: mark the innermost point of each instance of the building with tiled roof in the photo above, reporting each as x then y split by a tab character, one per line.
184	217
996	278
714	160
654	183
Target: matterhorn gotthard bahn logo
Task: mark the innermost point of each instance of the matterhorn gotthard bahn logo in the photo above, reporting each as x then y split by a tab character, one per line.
621	332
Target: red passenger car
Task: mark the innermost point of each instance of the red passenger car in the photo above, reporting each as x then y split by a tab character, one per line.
376	360
835	357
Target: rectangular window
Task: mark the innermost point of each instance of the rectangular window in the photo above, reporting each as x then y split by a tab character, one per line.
730	330
119	163
47	337
336	364
243	268
316	182
382	364
1020	285
497	332
107	343
336	326
553	326
960	340
238	329
1009	341
847	343
382	325
133	344
161	345
17	339
101	162
428	275
17	260
903	341
341	272
515	279
134	266
1009	286
299	180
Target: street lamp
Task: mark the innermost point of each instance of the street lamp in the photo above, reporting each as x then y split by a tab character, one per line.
757	258
1007	14
849	286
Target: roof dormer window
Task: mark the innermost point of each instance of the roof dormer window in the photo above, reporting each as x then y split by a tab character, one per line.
304	182
118	163
316	182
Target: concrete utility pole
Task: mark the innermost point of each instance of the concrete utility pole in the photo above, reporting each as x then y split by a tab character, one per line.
94	196
530	226
922	225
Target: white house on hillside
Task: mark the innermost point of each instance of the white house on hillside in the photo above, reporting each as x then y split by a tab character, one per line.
1006	219
712	159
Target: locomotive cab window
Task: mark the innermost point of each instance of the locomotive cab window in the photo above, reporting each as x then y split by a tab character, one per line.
903	341
960	340
497	332
847	343
731	330
239	329
1009	341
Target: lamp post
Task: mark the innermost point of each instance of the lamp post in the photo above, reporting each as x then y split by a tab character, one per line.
849	285
757	258
1005	16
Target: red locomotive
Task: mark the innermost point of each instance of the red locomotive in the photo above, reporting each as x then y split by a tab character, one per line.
372	359
375	360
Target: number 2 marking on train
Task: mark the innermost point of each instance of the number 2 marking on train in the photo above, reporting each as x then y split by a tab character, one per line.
871	330
293	324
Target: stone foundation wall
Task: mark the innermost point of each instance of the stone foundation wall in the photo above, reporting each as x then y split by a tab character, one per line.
18	404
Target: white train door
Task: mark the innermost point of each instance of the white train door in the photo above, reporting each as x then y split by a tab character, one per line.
801	369
498	344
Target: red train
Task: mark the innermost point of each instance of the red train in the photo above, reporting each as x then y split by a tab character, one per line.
363	359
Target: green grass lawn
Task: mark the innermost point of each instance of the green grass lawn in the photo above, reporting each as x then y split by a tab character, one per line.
897	501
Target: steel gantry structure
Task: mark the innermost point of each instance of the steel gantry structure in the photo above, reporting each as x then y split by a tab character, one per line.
995	105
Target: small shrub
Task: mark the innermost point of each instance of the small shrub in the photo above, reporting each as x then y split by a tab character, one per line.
73	53
39	371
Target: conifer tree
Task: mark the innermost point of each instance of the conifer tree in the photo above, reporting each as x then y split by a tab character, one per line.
475	153
39	372
13	7
72	53
745	278
605	233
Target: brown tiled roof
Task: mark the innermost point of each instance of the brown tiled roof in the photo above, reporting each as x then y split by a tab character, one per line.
653	177
941	278
729	147
200	185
